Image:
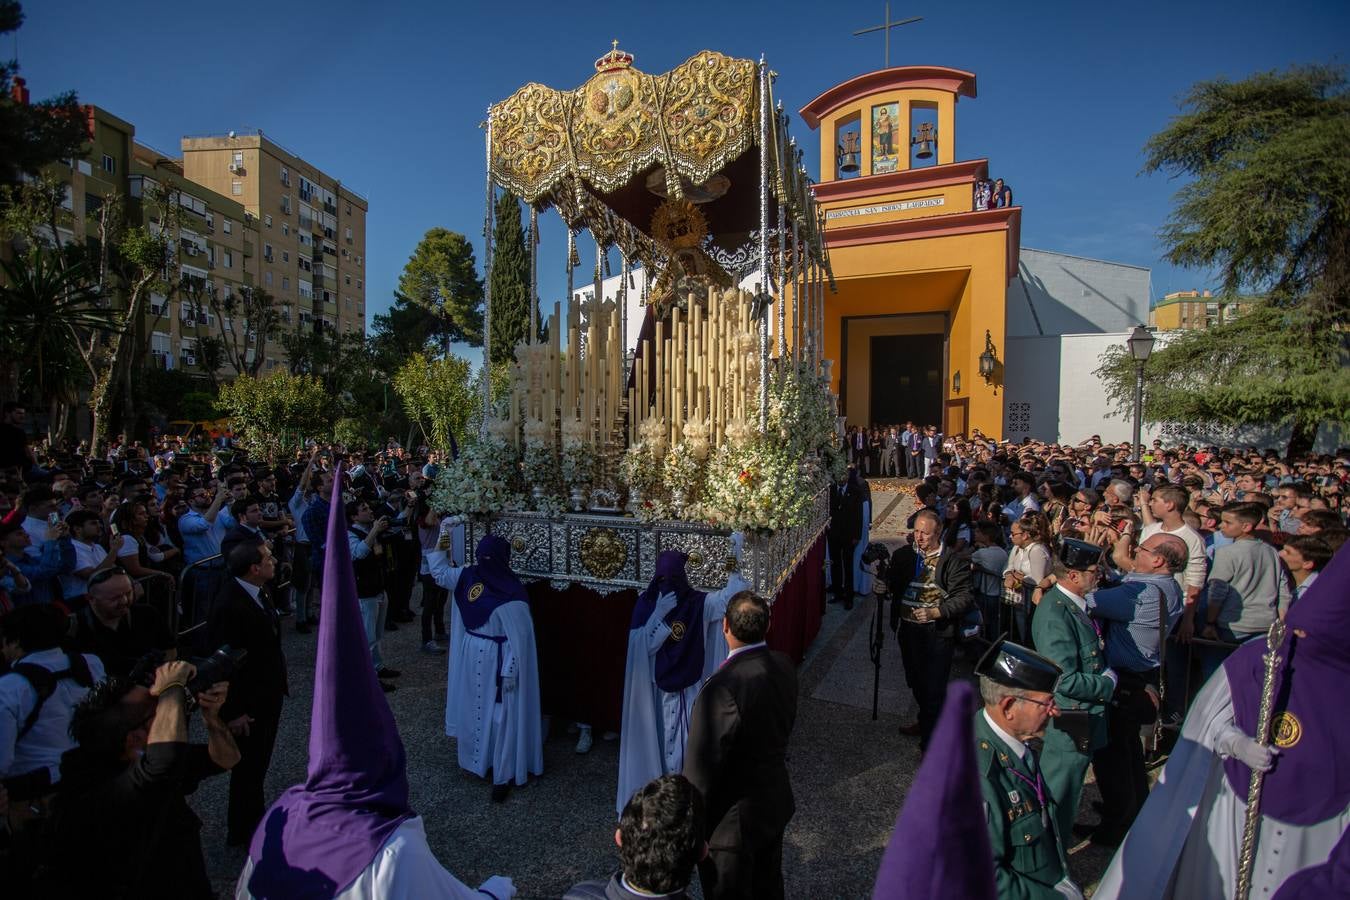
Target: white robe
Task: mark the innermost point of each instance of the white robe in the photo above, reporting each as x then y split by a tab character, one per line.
656	723
862	579
506	737
404	869
1187	838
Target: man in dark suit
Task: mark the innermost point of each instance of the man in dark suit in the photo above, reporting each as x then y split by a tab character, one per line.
931	589
846	507
245	618
737	757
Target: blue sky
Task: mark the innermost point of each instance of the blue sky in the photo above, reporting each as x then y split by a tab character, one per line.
388	97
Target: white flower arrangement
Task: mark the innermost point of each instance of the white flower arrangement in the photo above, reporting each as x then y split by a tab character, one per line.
577	463
757	488
481	482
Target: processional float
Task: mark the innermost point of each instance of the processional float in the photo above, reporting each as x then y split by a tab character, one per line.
593	458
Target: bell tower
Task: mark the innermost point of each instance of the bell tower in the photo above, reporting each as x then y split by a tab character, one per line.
922	246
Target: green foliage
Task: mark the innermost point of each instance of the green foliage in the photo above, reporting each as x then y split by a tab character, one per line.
46	302
35	134
277	412
177	394
441	277
1273	365
354	433
1266	203
510	281
406	329
439	396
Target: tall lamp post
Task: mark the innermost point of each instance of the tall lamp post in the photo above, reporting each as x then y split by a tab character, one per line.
1140	343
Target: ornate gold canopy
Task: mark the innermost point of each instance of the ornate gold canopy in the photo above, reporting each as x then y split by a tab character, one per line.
691	121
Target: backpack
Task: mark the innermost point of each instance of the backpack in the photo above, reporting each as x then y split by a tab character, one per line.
44	681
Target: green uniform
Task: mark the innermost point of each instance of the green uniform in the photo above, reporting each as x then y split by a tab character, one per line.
1028	858
1064	633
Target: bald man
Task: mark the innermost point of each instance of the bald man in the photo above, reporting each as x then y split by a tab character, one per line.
1137	613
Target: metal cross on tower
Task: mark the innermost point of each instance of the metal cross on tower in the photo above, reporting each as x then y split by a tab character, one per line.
885	27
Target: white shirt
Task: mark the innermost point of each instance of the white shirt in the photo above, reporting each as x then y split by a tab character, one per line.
297	505
253	591
744	648
1197	564
37	533
87	556
50	735
1016	746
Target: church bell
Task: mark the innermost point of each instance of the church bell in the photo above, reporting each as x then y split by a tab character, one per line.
925	138
849	153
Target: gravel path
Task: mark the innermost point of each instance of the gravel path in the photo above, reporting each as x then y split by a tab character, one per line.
849	777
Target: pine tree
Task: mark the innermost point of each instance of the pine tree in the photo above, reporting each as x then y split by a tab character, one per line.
1264	207
510	281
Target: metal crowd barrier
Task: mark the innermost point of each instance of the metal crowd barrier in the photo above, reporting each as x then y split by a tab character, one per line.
200	580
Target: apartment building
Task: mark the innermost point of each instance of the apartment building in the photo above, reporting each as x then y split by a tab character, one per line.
311	227
217	256
1193	310
101	173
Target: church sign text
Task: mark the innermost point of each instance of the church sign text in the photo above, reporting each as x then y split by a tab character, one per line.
899	206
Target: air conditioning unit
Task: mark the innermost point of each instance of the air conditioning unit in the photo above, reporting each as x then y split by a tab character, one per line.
189	359
189	323
191	250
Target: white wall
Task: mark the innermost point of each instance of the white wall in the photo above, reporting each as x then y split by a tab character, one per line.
1054	293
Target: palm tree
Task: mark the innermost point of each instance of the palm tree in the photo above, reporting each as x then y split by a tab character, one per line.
48	309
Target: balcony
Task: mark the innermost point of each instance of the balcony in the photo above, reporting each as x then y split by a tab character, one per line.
330	208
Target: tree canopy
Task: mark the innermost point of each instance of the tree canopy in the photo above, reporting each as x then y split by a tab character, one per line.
439	396
279	411
1266	204
441	277
510	280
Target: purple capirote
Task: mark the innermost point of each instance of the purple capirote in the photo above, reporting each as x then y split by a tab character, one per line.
940	845
319	836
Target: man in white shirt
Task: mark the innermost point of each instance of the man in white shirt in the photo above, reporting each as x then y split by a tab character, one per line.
90	556
39	503
1161	510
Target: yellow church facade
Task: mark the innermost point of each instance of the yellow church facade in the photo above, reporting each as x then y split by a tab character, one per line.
922	248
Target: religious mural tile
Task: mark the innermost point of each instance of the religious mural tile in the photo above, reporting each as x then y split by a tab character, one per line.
885	138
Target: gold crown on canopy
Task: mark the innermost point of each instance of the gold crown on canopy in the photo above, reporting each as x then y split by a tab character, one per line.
614	60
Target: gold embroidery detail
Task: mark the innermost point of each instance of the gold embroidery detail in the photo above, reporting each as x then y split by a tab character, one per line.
1286	730
603	553
475	592
677	630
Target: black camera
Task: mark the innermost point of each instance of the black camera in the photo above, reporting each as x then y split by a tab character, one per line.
879	554
219	666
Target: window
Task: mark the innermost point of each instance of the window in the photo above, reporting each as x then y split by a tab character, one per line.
349	279
237	188
210	223
229	259
285	228
84	167
286	176
226	225
109	164
267	278
267	252
285	256
285	283
67	201
267	220
238	160
359	286
349	233
349	209
286	204
358	256
348	301
92	204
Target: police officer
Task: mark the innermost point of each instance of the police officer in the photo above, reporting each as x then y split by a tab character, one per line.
1062	631
1018	687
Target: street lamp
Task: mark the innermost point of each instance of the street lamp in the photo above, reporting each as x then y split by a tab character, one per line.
989	358
1140	343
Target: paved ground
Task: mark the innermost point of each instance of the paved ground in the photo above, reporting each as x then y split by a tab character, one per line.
849	773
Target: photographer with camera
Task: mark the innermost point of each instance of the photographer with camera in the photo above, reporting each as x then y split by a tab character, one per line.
121	805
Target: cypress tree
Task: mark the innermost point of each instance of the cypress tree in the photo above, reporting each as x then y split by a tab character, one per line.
510	281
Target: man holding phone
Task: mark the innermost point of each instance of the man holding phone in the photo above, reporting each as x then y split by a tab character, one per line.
371	569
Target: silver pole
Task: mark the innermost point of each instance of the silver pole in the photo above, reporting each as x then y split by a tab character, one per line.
782	280
624	275
534	274
763	243
487	286
571	252
1138	409
798	282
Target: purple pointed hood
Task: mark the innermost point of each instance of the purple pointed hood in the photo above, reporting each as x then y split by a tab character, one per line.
940	846
679	662
1309	781
319	836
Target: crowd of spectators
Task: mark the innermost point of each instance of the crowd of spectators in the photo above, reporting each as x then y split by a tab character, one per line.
121	574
